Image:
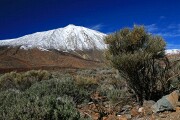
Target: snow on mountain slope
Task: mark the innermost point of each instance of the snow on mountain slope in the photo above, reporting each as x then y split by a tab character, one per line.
172	51
68	38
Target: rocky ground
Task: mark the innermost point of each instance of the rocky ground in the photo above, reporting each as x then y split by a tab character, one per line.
126	112
102	108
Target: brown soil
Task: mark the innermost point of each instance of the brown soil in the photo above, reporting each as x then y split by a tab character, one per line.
21	60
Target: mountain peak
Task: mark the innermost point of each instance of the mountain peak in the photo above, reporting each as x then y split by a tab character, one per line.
68	38
70	25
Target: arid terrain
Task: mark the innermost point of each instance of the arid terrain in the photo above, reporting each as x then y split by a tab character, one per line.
22	60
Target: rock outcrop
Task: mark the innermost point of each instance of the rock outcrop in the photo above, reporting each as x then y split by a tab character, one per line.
168	102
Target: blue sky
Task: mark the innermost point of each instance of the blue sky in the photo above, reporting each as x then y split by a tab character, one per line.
21	17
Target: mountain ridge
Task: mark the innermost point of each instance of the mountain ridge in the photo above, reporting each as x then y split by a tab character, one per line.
69	38
172	51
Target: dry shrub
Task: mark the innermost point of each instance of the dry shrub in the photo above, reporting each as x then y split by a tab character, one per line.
21	81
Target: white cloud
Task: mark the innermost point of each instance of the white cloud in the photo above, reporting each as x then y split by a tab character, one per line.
168	34
97	27
171	26
178	28
151	28
171	30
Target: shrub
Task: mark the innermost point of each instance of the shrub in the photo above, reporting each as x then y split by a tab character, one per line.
87	72
47	99
23	107
115	90
60	87
85	80
117	95
22	81
39	75
141	61
88	83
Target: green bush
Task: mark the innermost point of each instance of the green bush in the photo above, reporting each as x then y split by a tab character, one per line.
117	95
141	61
47	99
88	83
87	72
16	106
63	86
22	81
115	90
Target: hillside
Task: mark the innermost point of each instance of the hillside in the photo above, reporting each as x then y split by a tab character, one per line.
19	60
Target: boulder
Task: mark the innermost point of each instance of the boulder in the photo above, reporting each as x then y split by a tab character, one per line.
166	103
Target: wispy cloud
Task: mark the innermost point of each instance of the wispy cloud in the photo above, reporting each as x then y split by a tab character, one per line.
169	34
173	46
178	28
171	26
97	27
151	28
171	30
162	17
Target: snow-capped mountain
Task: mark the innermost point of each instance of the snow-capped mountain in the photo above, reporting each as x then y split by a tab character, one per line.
68	38
173	51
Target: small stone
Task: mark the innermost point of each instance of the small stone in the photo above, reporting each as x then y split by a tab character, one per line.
90	103
119	115
141	110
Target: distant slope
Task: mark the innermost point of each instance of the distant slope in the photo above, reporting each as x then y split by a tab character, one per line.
19	59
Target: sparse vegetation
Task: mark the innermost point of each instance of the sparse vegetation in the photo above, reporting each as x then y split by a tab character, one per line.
25	106
21	81
47	99
89	83
40	99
